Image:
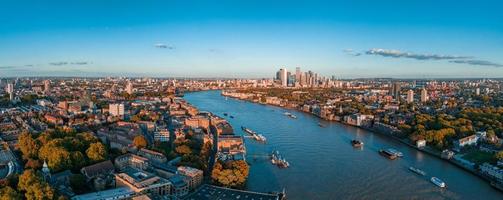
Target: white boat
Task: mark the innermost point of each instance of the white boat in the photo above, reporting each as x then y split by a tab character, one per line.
438	182
290	115
396	152
417	171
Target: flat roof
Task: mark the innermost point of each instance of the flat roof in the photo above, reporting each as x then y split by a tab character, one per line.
121	192
211	192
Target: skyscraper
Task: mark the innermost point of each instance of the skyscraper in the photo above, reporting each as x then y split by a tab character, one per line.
297	74
129	87
424	95
10	89
47	86
283	77
395	91
410	96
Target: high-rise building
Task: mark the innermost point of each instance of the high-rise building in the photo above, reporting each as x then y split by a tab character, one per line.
10	89
297	74
395	90
477	91
424	95
116	109
47	86
129	87
283	77
410	96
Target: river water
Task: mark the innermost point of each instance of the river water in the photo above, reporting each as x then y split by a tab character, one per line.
324	165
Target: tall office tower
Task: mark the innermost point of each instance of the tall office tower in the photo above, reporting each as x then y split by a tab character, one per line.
116	109
129	87
47	86
410	96
297	74
395	90
283	77
278	75
424	95
10	89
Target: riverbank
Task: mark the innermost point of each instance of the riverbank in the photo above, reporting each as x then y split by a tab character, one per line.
426	150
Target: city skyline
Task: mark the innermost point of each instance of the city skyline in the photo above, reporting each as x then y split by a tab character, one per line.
423	39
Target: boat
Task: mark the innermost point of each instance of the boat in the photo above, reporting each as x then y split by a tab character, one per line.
387	154
321	125
232	117
417	171
396	152
247	130
279	161
357	143
290	115
254	135
438	182
259	137
225	114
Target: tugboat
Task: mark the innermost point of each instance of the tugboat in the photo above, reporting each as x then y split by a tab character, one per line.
277	160
396	152
417	171
438	182
357	143
387	154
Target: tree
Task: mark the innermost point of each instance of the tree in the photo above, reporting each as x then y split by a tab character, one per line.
7	193
230	174
34	186
28	146
499	155
139	142
183	149
96	152
57	157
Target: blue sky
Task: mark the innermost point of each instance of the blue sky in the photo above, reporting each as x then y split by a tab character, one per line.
349	39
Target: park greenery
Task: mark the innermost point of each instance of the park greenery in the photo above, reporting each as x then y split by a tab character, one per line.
231	174
61	149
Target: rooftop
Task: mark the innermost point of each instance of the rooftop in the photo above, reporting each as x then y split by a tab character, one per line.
211	192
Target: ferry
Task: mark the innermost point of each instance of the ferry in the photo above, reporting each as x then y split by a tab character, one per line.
417	171
357	143
277	160
396	152
387	154
438	182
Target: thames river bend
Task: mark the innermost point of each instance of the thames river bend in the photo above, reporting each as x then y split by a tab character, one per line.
324	165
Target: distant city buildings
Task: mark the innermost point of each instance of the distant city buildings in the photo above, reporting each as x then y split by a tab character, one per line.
116	109
302	79
424	95
410	96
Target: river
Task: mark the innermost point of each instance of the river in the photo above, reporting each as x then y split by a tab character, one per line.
324	165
